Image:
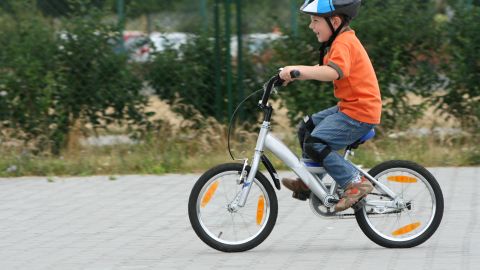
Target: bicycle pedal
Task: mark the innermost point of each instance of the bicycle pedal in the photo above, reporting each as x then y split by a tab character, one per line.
302	196
359	205
332	200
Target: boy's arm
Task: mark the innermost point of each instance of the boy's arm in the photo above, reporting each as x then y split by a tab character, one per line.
319	73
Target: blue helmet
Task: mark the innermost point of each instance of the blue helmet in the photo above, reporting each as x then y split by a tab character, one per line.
328	8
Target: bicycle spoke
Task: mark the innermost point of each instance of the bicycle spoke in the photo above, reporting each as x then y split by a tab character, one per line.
233	225
225	194
406	223
245	223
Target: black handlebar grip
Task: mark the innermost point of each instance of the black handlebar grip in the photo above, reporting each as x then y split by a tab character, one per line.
276	81
295	73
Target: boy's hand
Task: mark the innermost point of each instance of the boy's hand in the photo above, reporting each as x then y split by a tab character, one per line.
285	74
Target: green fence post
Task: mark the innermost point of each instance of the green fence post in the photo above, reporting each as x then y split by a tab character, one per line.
203	14
218	93
241	93
469	4
228	57
294	17
121	21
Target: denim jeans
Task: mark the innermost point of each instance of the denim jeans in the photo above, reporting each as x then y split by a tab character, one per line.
338	130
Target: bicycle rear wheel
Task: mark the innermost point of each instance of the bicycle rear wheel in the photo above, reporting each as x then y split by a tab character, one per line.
218	224
416	220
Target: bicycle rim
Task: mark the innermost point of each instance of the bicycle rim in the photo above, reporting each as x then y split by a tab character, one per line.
227	226
407	224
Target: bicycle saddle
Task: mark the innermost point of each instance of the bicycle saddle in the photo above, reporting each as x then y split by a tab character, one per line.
362	140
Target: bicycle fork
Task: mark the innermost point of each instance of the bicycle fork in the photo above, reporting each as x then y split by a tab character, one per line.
247	183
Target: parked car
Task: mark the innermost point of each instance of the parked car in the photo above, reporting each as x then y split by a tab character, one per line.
140	45
255	43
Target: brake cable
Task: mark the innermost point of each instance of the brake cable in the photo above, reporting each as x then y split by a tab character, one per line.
293	74
233	118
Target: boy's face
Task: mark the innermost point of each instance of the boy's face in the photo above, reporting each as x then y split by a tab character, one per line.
320	27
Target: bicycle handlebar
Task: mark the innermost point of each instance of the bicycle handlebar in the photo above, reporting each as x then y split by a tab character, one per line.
275	81
294	74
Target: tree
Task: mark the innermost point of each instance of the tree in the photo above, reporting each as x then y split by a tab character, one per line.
139	8
52	82
60	8
461	66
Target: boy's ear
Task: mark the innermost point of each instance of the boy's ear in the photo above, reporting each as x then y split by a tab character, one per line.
336	20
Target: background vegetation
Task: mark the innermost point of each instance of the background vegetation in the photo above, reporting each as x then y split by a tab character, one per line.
65	76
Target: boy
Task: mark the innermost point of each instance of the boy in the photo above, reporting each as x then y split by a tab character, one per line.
355	84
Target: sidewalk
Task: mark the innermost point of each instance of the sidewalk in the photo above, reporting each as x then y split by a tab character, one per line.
141	222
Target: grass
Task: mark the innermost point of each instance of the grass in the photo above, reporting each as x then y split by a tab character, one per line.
195	145
425	151
194	152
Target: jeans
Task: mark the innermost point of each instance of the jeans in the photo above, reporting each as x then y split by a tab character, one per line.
338	130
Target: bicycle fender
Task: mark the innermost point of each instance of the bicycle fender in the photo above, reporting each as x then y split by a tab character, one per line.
273	173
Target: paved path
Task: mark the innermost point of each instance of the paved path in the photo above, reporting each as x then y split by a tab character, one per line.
141	222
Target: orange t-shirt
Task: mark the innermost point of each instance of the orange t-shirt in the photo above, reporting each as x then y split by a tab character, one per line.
357	86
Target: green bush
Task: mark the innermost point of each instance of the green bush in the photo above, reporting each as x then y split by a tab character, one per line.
59	8
53	81
27	49
402	39
461	97
187	76
98	84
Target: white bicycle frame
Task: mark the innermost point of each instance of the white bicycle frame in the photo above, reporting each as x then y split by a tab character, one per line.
280	150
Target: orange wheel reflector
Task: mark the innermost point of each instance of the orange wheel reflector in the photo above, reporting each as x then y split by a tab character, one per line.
402	179
260	209
406	229
211	190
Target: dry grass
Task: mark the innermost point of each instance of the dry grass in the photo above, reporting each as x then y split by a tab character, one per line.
165	152
182	146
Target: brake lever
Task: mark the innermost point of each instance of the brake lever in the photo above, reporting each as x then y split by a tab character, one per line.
275	90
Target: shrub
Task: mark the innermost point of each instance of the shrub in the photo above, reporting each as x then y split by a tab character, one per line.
187	75
461	66
53	81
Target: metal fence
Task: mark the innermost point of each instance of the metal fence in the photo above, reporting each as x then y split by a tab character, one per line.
227	21
58	54
58	68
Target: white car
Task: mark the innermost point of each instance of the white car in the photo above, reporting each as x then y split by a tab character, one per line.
173	40
255	43
137	44
141	45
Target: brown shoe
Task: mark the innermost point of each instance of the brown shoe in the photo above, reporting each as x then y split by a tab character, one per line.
295	184
353	193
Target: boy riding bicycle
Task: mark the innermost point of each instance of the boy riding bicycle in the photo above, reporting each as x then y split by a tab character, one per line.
347	64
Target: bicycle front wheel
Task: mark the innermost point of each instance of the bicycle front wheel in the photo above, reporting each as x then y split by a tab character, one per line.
411	223
225	228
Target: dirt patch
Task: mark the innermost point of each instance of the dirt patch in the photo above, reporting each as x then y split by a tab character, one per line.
431	117
163	111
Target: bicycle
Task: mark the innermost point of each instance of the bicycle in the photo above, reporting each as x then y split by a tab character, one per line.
233	207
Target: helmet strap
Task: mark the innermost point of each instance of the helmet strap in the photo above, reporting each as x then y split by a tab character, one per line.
329	42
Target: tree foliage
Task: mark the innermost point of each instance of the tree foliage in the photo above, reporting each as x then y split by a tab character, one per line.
51	80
